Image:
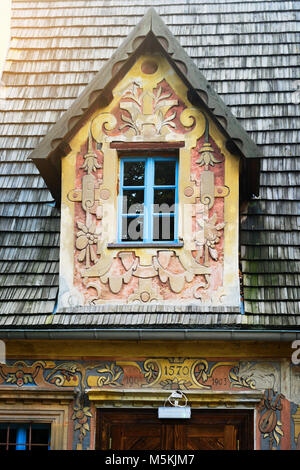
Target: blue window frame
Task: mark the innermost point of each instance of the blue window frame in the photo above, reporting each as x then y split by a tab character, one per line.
148	198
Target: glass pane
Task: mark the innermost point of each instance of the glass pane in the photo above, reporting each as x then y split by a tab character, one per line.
163	228
22	437
3	435
164	201
12	438
132	229
40	434
165	173
134	173
133	201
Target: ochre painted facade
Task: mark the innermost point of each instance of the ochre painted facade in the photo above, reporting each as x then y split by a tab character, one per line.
149	113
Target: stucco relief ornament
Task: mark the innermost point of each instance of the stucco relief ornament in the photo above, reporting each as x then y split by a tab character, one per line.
206	245
91	163
207	157
85	241
147	110
208	234
87	236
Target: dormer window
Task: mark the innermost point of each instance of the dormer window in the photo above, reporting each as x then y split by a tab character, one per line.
148	199
150	190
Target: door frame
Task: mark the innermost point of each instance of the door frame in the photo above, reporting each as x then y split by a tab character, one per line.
205	400
242	418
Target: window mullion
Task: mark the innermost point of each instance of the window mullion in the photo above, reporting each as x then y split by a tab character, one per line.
29	439
148	207
176	208
120	202
7	437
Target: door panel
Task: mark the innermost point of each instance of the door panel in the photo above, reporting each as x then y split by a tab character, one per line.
136	436
132	430
230	437
204	437
206	430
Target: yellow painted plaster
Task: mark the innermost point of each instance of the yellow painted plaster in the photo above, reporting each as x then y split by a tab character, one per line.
80	349
66	266
190	116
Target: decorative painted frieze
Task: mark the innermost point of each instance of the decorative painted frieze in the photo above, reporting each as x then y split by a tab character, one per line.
277	418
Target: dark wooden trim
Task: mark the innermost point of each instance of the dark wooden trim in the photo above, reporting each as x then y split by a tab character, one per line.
144	245
147	145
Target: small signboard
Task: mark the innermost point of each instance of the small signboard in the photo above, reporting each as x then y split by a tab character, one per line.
175	412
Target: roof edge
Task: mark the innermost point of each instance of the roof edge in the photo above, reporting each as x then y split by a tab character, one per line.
161	334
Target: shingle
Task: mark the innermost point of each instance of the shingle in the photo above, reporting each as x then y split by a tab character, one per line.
247	50
29	253
270	238
28	267
30	224
261	280
271	222
23	240
28	280
270	267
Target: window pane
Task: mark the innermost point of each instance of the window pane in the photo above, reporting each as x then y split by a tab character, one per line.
3	436
164	200
150	181
132	229
12	438
11	435
133	201
22	436
134	173
163	228
164	173
40	434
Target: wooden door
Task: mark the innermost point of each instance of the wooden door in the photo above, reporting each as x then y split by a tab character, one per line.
206	430
207	436
131	430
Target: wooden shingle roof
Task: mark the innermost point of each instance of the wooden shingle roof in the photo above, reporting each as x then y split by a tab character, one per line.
248	51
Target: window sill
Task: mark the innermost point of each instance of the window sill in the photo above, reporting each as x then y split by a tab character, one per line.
145	245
